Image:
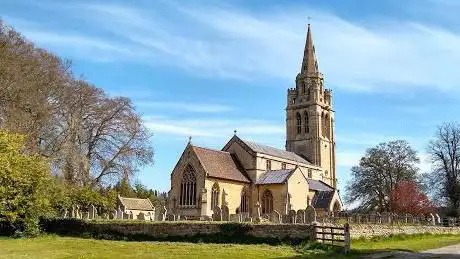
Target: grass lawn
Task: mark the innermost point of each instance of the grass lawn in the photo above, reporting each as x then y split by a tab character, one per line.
67	247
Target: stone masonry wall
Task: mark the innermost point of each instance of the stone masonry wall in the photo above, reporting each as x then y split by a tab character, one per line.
162	230
369	230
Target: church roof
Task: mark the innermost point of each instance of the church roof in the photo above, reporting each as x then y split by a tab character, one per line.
275	176
317	185
220	164
259	148
136	204
322	199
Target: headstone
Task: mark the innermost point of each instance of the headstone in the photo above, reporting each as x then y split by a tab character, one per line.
433	219
310	215
292	216
225	213
141	216
275	217
300	218
165	212
438	219
258	214
92	212
217	214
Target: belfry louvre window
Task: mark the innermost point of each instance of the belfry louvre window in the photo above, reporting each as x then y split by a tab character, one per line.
267	202
244	206
188	187
307	122
299	124
215	195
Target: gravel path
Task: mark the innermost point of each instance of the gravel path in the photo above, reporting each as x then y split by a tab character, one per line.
448	252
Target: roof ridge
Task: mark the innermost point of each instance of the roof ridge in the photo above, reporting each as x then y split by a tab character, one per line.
210	149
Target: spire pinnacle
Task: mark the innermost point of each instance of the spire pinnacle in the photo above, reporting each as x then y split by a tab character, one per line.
309	63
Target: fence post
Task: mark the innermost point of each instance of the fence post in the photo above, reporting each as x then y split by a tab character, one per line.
347	237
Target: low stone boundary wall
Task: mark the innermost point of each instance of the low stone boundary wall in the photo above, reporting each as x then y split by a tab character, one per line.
368	230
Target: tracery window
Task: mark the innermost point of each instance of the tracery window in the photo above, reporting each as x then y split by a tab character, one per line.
215	195
188	187
244	204
267	202
299	123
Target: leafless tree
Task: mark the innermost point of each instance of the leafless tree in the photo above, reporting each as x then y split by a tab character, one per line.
444	152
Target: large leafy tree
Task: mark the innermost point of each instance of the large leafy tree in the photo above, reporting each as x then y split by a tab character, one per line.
444	152
379	172
24	183
407	197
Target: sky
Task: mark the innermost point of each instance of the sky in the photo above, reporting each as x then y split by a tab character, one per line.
207	68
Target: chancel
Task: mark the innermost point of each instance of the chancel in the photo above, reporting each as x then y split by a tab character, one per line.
252	179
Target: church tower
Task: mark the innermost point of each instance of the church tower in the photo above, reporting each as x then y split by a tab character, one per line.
310	124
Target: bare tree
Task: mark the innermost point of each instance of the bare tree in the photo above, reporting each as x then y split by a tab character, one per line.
444	152
379	172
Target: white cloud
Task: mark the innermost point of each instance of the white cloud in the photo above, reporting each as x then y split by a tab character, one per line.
184	106
229	42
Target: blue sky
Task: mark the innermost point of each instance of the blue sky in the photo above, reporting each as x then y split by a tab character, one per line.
205	68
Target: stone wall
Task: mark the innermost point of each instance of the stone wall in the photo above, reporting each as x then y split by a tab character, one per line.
179	229
369	230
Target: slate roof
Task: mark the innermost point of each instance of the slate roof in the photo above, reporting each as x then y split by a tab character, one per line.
317	185
275	176
136	204
221	164
275	152
322	199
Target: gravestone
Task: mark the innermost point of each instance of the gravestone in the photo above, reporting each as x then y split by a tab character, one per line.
275	217
141	216
300	218
292	216
164	213
310	215
217	214
225	213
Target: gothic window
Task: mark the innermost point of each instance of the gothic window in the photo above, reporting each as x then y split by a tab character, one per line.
327	124
306	122
308	94
188	187
268	165
244	205
310	174
304	88
283	165
267	202
299	123
215	195
323	124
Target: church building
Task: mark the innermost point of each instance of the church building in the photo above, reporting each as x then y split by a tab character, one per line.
246	177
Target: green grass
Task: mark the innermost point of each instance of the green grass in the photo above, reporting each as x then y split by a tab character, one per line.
67	247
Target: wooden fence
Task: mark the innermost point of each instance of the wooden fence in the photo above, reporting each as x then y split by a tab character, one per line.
333	235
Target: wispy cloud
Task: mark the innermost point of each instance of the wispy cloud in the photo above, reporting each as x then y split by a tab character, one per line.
184	106
230	42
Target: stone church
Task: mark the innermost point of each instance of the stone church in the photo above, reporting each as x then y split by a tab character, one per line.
252	179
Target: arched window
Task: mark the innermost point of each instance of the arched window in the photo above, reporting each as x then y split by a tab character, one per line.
304	88
267	202
244	204
188	187
323	125
306	122
299	123
327	126
215	195
308	94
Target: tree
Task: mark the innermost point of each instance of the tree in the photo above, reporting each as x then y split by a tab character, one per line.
379	172
24	183
444	152
408	198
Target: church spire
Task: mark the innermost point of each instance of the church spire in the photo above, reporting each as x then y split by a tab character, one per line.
309	63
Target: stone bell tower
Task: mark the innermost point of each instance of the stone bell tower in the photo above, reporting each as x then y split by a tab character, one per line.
310	119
